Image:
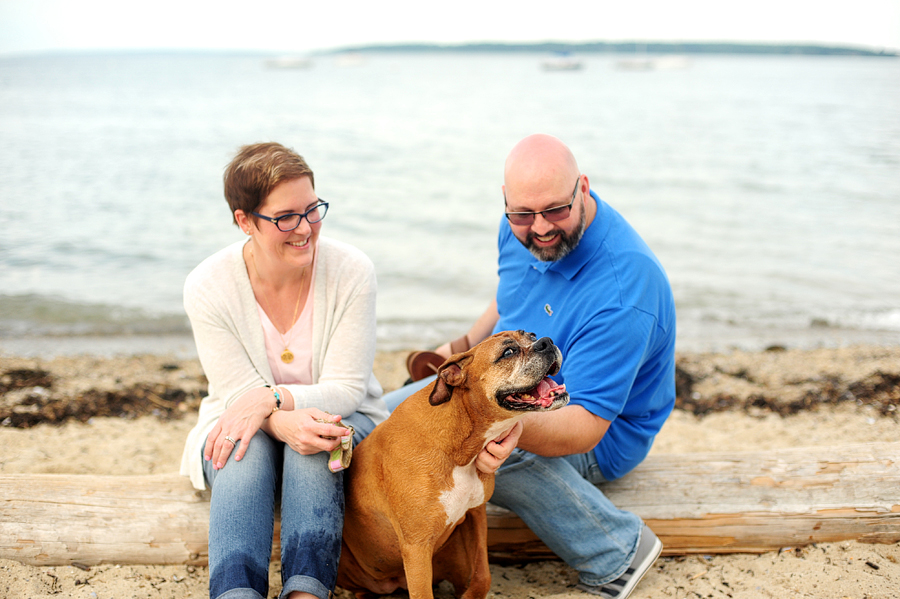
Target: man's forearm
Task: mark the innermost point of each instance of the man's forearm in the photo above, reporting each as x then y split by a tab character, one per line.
567	431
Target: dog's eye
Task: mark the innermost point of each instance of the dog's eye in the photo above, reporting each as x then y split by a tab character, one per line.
509	351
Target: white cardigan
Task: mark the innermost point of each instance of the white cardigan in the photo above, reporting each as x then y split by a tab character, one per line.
222	309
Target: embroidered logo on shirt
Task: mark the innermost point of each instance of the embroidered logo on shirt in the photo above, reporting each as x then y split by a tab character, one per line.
548	309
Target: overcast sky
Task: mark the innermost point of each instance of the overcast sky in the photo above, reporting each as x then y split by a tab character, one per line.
300	26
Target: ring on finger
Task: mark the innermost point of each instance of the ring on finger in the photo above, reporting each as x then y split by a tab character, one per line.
228	438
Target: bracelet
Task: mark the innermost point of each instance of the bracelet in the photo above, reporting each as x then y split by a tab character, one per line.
277	398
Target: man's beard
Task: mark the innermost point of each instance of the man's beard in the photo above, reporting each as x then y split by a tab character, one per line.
562	248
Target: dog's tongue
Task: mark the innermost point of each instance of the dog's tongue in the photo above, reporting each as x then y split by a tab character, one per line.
547	389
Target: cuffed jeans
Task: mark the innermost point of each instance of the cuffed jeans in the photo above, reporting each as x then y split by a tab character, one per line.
242	518
558	500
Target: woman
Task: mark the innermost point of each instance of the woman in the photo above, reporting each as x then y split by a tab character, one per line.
285	330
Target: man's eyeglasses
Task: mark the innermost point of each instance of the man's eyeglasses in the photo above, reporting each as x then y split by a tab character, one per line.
289	222
552	215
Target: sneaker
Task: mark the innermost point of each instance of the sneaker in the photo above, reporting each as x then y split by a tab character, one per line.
648	550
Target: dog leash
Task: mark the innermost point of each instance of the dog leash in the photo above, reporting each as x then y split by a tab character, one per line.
341	455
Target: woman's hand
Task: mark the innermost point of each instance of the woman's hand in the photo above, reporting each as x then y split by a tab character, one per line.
495	452
303	432
238	423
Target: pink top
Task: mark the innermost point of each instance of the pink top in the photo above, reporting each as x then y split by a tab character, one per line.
299	371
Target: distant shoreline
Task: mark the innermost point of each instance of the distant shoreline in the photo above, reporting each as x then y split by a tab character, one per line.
631	47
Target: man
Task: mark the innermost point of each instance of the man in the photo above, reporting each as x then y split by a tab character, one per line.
571	268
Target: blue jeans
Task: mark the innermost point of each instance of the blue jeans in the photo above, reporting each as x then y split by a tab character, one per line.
558	500
242	518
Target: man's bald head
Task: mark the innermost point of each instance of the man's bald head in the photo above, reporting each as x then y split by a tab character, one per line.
538	164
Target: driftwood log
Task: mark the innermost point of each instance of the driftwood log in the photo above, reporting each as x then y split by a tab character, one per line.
697	503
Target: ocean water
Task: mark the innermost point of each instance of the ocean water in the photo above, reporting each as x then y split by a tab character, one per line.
769	187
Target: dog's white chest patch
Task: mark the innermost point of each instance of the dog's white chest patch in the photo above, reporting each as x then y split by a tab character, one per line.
466	492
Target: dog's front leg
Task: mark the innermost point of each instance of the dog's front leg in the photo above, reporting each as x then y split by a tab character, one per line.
418	568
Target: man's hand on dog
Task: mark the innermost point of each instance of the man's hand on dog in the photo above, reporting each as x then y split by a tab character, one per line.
495	452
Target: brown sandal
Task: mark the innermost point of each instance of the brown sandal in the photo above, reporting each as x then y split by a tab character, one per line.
420	364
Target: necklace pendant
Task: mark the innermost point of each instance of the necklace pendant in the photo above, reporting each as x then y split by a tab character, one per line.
287	356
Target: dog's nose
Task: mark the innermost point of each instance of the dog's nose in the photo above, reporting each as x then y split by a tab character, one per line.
543	344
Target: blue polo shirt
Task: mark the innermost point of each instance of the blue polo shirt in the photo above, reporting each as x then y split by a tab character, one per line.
609	308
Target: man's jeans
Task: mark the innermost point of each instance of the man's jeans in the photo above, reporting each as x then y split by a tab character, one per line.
558	500
242	517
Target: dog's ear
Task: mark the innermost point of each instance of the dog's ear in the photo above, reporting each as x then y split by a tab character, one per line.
453	374
441	393
449	376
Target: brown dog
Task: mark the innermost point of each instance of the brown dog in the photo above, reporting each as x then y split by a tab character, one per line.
415	501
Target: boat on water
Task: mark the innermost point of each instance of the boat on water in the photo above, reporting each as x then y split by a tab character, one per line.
562	61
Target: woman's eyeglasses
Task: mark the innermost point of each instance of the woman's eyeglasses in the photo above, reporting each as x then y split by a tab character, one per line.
289	222
552	215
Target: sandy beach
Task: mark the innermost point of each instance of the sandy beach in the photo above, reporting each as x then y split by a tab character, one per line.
130	415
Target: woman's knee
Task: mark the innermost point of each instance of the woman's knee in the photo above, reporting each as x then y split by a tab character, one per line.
259	466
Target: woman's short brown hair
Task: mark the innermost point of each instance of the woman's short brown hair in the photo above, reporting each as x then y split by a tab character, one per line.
258	169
